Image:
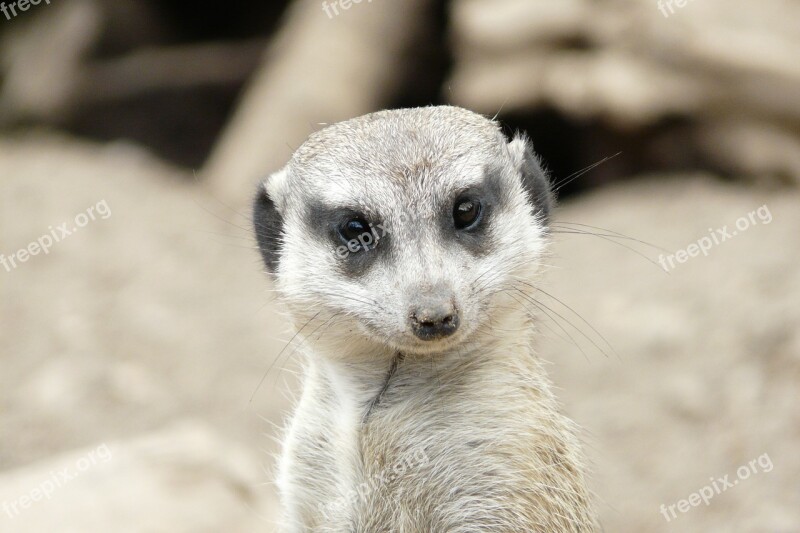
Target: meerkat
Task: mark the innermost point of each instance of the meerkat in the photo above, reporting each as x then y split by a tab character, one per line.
403	245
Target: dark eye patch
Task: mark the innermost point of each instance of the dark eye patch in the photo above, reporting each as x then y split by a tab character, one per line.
467	219
358	235
356	238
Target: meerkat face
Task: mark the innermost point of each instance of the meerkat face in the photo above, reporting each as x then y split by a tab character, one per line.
409	229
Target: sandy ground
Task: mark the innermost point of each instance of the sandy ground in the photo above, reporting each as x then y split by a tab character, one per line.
147	332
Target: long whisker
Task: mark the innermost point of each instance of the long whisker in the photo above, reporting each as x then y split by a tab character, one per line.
584	335
329	322
271	366
543	323
609	233
571	310
634	250
543	310
575	175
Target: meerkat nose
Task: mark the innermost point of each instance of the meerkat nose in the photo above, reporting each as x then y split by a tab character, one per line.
434	316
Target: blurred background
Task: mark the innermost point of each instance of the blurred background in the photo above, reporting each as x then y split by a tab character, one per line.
141	375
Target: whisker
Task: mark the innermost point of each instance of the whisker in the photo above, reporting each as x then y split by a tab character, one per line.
568	230
542	308
539	321
558	184
610	234
288	356
571	310
634	250
269	369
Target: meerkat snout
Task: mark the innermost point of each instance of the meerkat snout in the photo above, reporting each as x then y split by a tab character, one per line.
434	315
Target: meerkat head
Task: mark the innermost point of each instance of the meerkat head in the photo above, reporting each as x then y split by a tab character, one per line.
408	229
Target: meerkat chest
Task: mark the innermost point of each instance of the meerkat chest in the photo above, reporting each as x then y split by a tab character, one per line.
381	460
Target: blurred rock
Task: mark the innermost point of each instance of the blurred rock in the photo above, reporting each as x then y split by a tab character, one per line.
42	60
183	479
627	63
759	149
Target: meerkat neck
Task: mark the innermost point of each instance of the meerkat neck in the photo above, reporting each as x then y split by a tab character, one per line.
360	381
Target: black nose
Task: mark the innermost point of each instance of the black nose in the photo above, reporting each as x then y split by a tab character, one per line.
434	321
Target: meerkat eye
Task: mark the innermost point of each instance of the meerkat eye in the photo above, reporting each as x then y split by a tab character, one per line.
353	229
467	213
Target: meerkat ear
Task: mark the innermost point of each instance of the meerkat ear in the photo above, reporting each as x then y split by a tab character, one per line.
535	180
268	221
